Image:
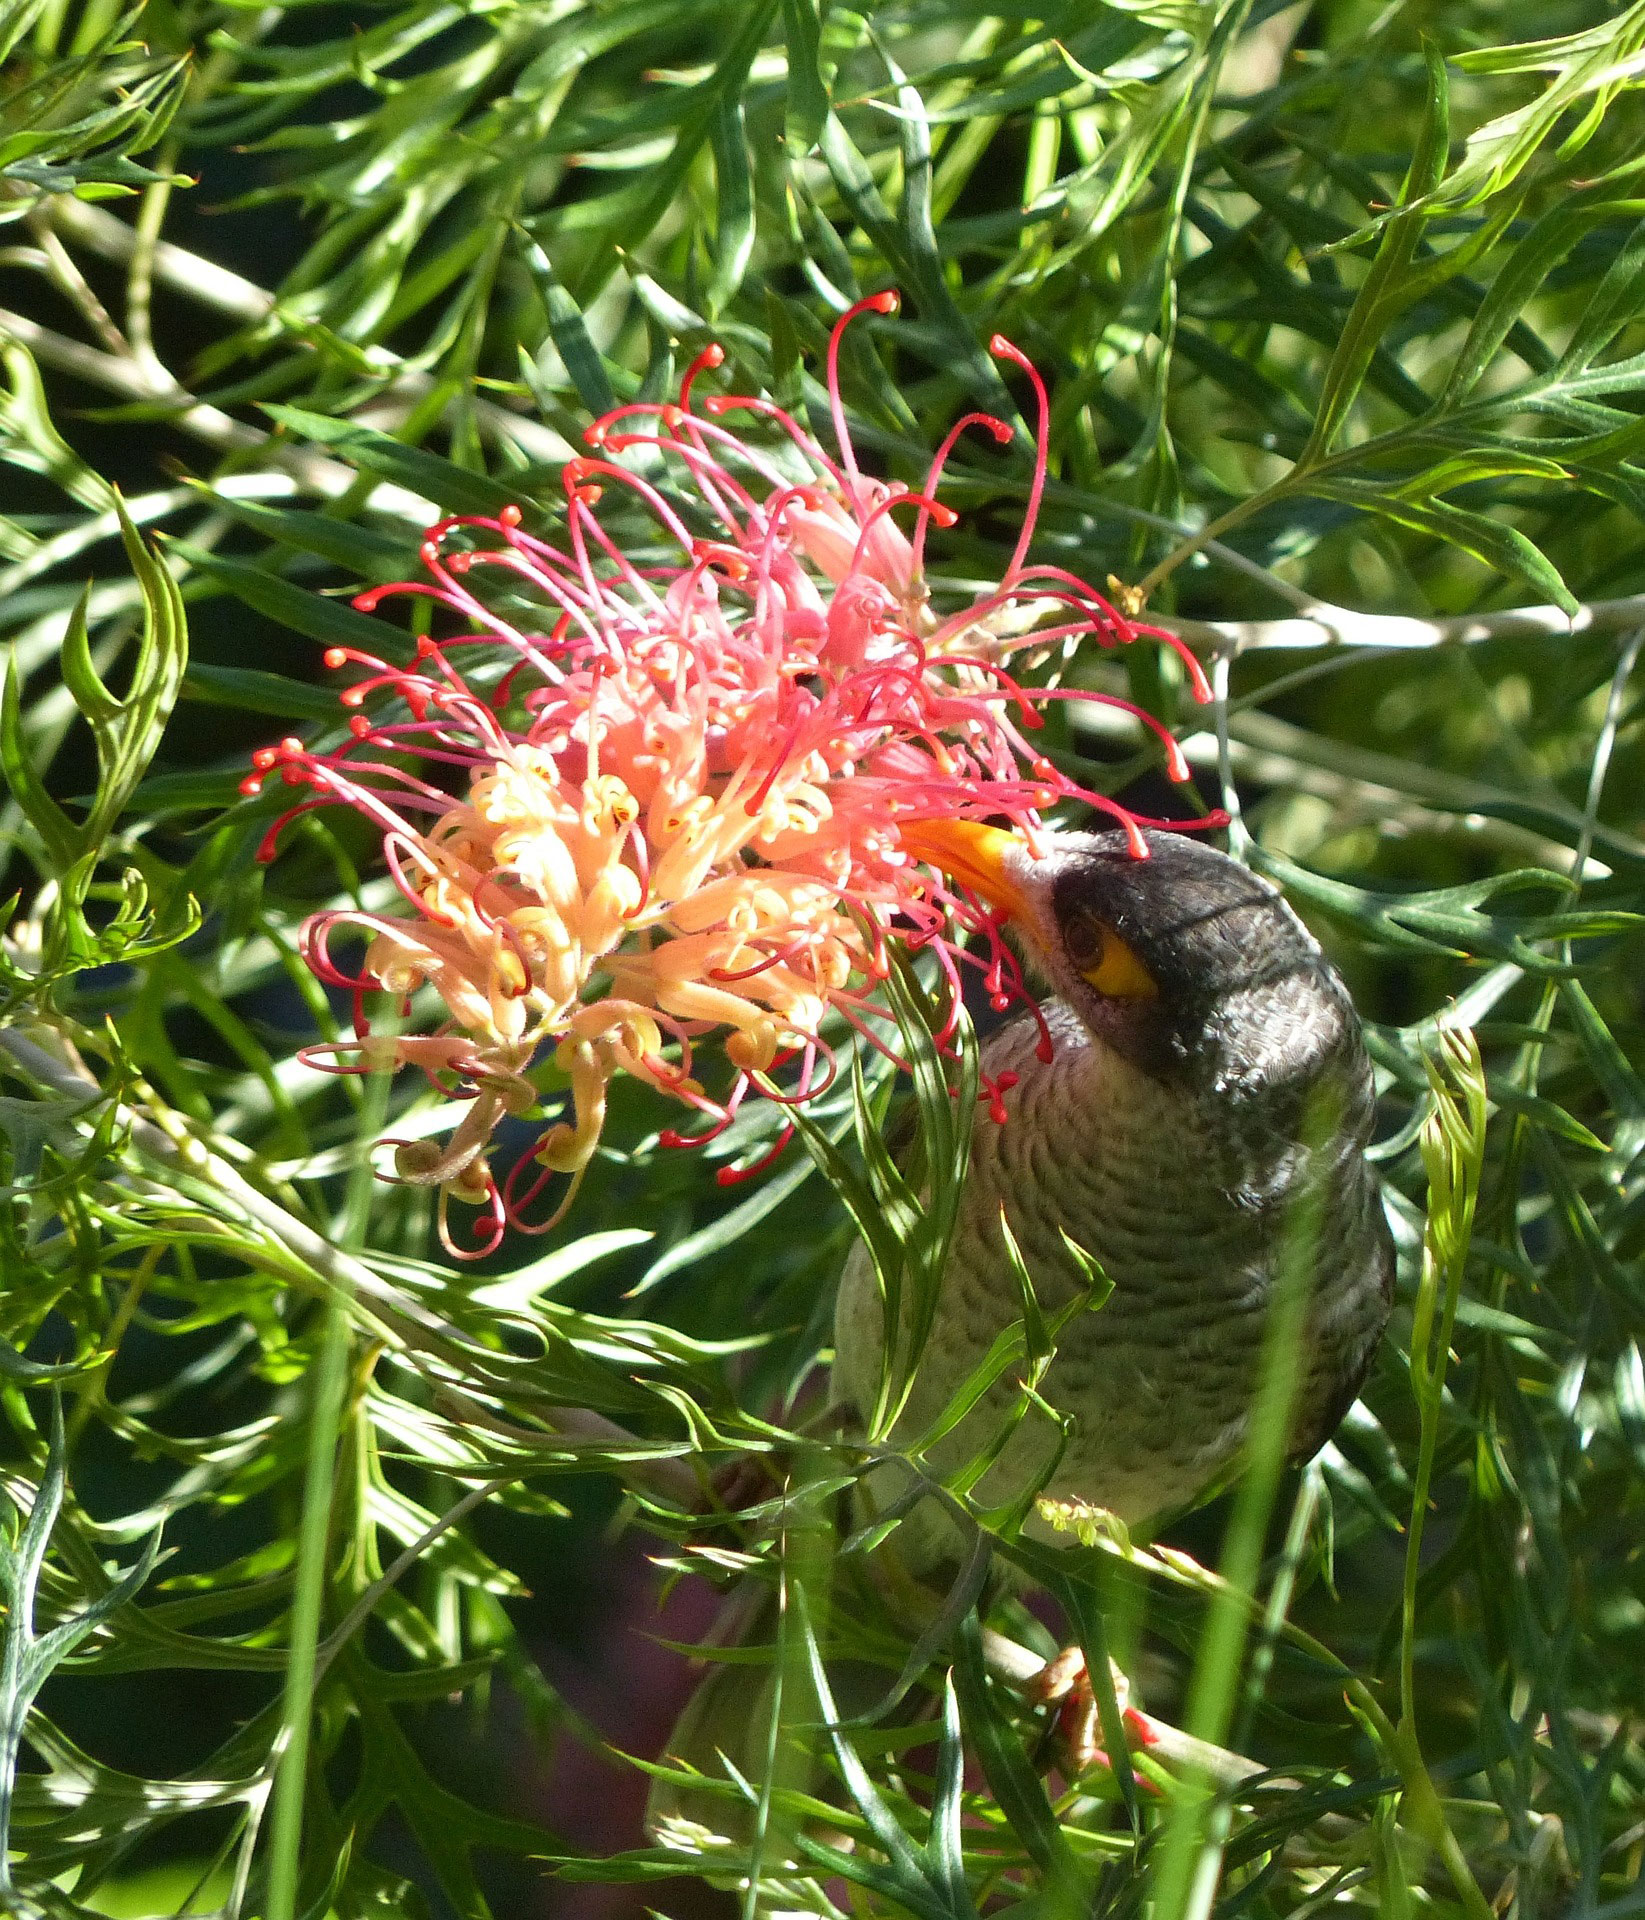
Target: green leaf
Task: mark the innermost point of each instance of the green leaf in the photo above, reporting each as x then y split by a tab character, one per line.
1544	244
333	623
734	189
806	105
916	1876
1493	542
453	488
366	553
570	334
1012	1779
59	837
27	1659
1387	289
249	690
128	732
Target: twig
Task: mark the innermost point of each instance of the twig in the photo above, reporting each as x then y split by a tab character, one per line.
1231	557
1268	751
141	509
1627	660
72	283
140	273
121	375
173	266
1020	1669
1324	625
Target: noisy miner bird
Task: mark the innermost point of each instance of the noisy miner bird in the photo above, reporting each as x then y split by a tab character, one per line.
1204	1112
1206	1104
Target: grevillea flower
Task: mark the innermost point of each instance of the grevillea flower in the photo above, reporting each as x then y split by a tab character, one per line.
683	788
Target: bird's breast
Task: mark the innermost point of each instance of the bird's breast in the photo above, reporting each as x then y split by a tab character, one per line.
1182	1201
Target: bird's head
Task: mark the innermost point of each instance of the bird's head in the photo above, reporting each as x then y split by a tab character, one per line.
1185	963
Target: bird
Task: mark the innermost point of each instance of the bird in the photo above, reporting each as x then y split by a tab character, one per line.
1204	1104
1206	1093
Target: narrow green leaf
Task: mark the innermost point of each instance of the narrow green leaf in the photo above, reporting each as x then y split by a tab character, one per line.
1012	1779
734	202
367	553
59	837
27	1659
1535	255
1496	544
1615	303
1384	293
570	334
250	690
807	100
334	623
456	489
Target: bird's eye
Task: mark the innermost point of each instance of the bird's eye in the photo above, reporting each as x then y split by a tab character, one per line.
1105	961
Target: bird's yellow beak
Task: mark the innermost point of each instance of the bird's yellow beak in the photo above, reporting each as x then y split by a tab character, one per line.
985	859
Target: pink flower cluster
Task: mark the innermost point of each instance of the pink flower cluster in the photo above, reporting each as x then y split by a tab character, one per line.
673	804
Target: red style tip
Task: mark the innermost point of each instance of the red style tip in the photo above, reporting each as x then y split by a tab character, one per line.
511	516
367	602
334	658
713	355
887	301
252	785
360	727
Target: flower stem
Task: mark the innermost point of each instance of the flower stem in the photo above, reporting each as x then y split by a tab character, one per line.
313	1540
331	1373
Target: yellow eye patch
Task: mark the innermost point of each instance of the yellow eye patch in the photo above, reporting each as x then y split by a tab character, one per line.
1106	962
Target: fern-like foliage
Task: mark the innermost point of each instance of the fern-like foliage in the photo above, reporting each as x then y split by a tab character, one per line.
1342	307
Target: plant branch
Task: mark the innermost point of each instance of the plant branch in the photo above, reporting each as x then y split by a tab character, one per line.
1324	625
72	284
289	1754
1020	1669
1269	752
